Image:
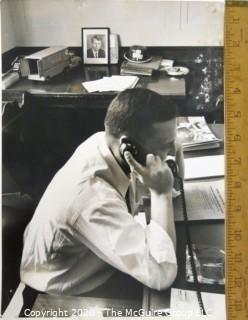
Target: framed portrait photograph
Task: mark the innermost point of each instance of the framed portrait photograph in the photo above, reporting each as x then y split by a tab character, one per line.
95	45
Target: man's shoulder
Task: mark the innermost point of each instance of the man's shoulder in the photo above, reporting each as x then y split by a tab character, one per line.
96	194
102	53
92	143
84	162
88	152
90	53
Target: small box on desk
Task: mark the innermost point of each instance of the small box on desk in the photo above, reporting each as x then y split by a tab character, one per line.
47	63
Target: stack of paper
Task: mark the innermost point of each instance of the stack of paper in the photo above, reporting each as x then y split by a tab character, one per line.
114	83
184	303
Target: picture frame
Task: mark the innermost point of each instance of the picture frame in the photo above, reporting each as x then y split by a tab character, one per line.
96	45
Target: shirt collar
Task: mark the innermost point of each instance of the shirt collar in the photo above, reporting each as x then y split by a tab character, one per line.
115	173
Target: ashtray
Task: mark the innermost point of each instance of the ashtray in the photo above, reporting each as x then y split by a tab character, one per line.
209	262
177	71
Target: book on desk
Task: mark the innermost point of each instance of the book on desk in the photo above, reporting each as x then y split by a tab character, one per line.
144	69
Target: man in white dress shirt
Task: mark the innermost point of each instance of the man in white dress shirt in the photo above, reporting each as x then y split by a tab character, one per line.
83	227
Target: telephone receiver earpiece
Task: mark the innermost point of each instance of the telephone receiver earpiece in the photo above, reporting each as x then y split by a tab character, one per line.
127	145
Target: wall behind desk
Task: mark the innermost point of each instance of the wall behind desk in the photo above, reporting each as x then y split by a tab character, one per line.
8	33
151	23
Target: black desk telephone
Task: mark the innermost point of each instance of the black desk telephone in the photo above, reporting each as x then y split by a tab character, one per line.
139	155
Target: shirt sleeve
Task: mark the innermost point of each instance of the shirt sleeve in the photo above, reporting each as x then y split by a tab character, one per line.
160	243
104	225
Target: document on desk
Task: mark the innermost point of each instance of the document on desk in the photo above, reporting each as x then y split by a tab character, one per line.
113	83
204	167
186	303
204	200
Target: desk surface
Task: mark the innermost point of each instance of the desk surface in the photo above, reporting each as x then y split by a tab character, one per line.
69	84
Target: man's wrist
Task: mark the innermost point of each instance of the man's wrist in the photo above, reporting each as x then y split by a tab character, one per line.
165	195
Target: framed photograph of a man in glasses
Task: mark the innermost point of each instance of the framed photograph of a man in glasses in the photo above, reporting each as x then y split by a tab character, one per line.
95	45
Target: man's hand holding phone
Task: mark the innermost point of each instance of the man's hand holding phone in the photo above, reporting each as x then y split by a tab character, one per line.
156	175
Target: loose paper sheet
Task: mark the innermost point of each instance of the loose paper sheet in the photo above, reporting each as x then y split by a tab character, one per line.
185	301
204	167
204	199
114	83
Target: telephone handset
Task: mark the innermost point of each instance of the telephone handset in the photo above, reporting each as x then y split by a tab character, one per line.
140	156
136	151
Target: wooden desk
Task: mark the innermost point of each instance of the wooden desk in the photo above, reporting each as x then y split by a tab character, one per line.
69	85
209	233
210	67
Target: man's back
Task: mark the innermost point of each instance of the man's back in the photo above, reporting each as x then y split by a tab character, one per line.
53	250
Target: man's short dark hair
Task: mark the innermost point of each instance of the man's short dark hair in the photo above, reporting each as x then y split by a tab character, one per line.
97	37
133	112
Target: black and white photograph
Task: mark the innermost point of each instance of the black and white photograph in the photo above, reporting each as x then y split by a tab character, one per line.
113	176
95	44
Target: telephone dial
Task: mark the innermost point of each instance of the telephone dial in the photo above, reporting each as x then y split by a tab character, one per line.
139	155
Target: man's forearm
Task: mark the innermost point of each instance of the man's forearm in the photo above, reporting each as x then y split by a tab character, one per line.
162	213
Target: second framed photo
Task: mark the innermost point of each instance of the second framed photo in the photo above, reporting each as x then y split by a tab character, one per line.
95	45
